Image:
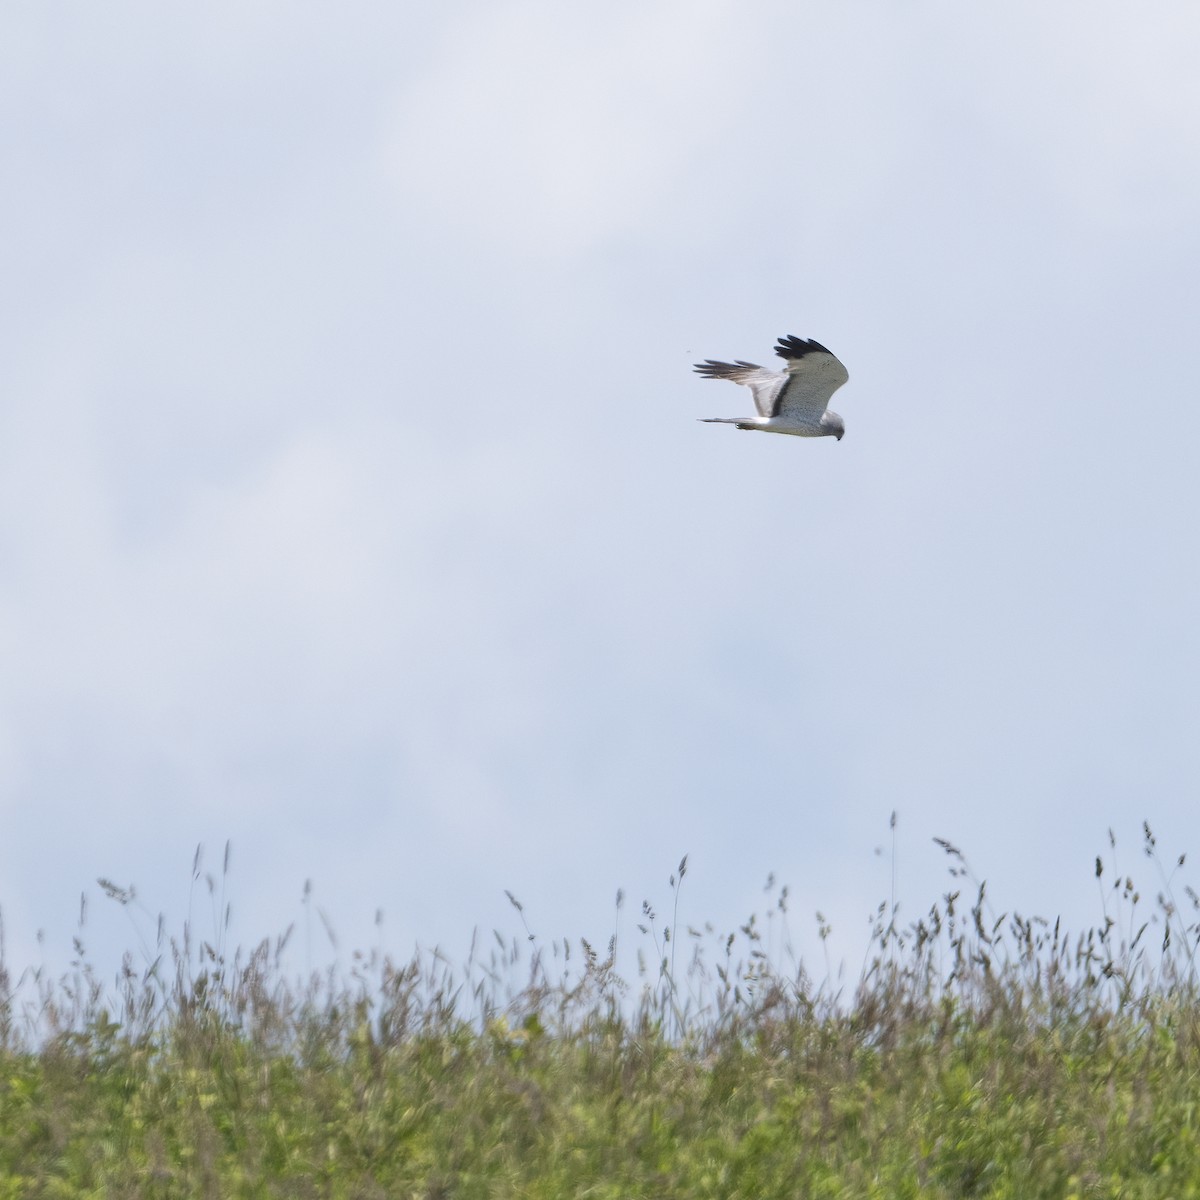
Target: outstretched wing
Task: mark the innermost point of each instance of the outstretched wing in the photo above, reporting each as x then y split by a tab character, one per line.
766	385
813	375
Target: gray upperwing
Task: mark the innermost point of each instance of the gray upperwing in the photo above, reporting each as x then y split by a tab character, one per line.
813	375
765	385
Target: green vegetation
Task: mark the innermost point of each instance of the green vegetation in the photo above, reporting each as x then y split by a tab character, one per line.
980	1054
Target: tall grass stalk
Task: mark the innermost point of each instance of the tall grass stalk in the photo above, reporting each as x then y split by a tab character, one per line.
976	1054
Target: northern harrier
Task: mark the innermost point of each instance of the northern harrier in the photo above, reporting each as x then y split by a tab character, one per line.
791	401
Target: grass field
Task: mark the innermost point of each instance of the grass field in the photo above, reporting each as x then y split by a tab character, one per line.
980	1054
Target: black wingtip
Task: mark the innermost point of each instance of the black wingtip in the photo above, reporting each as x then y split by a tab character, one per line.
710	368
792	347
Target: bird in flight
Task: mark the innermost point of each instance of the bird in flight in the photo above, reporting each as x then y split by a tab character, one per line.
790	401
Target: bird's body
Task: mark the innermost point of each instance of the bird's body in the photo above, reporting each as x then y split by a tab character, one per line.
793	401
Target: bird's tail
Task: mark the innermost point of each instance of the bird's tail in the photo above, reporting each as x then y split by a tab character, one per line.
740	422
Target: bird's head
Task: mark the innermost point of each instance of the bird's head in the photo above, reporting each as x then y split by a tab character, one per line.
833	424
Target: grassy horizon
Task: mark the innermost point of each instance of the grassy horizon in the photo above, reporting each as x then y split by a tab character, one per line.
978	1054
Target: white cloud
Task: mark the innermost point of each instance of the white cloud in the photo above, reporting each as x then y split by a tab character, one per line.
1082	100
371	529
545	130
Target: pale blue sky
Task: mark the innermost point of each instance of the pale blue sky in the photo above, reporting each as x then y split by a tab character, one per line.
353	505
